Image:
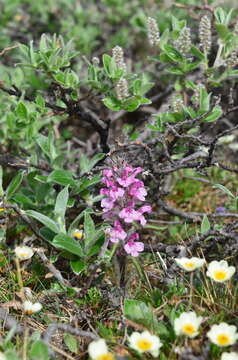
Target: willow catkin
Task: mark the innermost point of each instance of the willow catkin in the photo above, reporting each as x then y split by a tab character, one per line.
153	32
184	43
205	34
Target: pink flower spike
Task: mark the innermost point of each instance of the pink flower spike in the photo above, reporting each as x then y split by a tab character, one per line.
133	248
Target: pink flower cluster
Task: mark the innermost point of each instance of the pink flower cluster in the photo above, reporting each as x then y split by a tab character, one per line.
122	206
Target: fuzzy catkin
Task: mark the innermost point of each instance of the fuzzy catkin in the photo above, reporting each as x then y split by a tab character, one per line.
177	104
184	42
232	60
118	55
153	32
122	89
205	34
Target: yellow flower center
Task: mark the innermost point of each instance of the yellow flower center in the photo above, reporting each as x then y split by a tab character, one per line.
188	329
144	344
2	209
78	234
189	264
107	356
223	339
220	275
23	254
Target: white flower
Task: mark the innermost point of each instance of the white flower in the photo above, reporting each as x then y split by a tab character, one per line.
223	334
145	342
2	356
187	324
98	350
220	271
24	252
30	308
229	356
189	264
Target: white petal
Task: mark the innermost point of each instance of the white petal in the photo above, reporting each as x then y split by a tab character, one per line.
97	348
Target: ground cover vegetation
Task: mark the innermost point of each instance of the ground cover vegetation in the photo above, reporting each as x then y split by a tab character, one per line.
118	179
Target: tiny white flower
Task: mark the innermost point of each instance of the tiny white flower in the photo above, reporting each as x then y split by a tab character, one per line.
145	342
78	234
187	324
229	356
98	350
30	308
24	252
219	271
223	334
189	264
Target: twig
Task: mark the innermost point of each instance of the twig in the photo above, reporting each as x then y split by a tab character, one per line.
8	49
49	333
57	274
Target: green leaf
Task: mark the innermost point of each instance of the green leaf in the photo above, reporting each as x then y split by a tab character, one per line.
214	115
61	177
106	59
223	188
173	54
204	100
21	111
60	207
196	52
222	31
77	266
45	220
131	104
142	314
220	15
71	342
14	185
112	103
205	225
88	182
43	143
39	351
65	242
89	230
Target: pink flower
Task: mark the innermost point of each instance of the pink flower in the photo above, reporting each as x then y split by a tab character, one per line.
125	180
129	215
145	208
133	248
107	173
107	204
115	192
138	190
117	233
